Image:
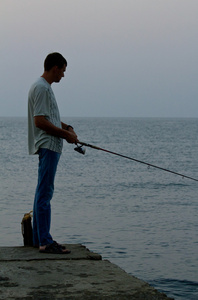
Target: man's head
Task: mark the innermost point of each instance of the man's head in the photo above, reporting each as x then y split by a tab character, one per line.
54	67
54	59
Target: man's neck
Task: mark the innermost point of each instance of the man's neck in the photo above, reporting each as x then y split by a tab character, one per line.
47	76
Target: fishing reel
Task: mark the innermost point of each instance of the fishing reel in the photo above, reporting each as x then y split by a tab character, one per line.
80	149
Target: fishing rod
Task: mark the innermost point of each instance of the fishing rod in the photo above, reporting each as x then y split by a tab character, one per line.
81	150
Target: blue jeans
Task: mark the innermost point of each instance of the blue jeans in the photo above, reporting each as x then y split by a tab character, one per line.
48	161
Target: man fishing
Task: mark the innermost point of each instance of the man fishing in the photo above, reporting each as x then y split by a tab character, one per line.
45	138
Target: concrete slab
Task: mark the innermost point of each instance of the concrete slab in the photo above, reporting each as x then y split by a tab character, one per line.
78	252
27	274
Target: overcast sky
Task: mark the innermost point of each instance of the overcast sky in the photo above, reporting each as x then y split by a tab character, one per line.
126	58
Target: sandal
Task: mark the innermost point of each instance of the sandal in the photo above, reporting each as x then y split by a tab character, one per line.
59	245
54	248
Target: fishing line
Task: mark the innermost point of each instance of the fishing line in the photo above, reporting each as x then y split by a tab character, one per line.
81	150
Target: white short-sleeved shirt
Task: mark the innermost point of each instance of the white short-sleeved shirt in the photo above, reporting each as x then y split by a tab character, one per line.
42	102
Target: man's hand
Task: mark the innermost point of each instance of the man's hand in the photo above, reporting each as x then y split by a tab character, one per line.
72	137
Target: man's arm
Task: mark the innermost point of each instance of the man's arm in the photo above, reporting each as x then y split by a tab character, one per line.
42	123
64	126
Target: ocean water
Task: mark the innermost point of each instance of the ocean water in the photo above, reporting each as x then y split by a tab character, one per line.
142	219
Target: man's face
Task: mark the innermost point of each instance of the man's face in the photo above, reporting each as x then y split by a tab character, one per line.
59	73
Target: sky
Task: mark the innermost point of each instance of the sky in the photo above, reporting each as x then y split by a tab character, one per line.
126	58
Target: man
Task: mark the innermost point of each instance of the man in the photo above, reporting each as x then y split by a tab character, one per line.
45	138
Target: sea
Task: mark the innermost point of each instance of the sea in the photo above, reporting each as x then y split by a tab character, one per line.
143	219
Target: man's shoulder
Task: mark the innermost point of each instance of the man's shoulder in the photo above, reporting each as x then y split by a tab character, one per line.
41	82
38	86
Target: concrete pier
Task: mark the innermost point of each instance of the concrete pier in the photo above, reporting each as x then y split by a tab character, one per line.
27	274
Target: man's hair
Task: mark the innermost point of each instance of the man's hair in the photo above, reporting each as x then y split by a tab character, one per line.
54	59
